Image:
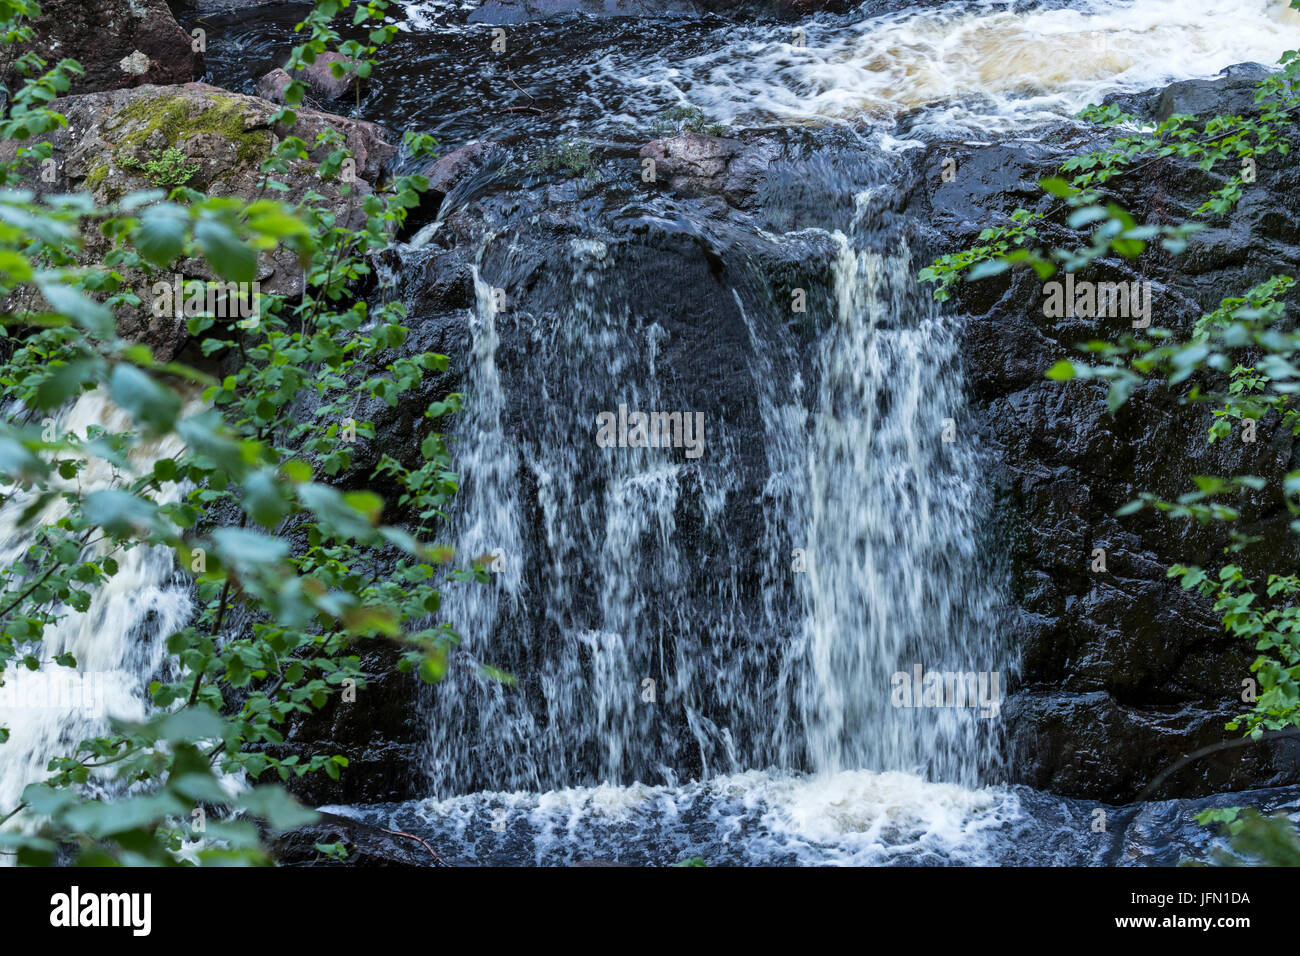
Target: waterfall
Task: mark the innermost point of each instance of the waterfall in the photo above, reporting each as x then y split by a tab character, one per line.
119	642
896	574
785	648
623	598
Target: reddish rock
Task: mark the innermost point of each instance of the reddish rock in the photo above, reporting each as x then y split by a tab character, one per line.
320	77
271	87
691	161
119	43
450	169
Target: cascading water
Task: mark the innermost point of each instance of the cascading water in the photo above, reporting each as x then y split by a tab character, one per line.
118	642
627	572
896	575
624	598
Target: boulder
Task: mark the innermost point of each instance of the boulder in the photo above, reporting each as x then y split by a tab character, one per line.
691	162
319	75
1233	94
271	87
367	844
119	43
223	137
444	173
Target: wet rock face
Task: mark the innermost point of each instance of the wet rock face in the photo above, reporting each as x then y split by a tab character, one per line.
367	844
223	137
119	43
1123	671
381	733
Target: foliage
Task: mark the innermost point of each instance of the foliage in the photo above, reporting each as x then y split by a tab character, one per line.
1275	632
686	118
167	168
1242	357
571	155
291	575
1253	838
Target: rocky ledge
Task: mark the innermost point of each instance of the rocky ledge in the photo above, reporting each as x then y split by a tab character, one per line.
222	138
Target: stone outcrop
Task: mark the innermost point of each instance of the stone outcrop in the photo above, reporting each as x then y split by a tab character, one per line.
224	137
366	844
692	161
1123	671
319	77
119	43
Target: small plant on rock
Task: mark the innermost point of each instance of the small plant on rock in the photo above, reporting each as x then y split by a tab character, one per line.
167	168
572	155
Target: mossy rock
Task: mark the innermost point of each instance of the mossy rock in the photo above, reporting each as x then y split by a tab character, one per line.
220	140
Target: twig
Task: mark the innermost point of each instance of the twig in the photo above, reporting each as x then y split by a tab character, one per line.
437	860
1116	844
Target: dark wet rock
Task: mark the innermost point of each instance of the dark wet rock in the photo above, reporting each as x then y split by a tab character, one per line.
225	137
119	43
1233	95
367	844
381	734
1123	671
598	863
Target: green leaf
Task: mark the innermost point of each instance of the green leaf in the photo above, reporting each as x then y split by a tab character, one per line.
1062	371
64	382
148	402
989	267
118	512
262	499
94	317
226	252
161	235
277	807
